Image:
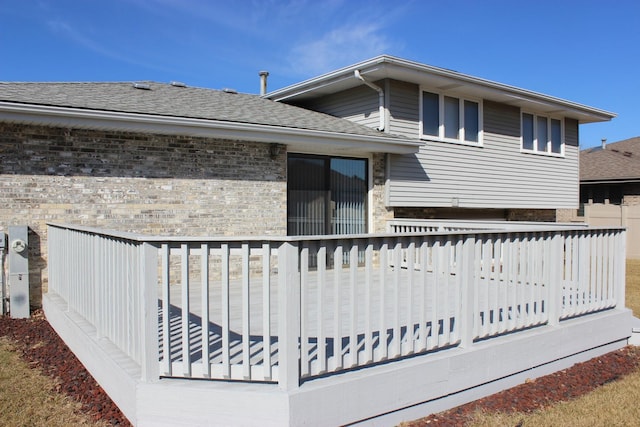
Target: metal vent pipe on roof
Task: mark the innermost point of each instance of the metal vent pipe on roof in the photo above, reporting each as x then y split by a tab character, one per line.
604	143
263	81
380	98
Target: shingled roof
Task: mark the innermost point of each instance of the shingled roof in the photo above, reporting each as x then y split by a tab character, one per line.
171	109
618	161
177	101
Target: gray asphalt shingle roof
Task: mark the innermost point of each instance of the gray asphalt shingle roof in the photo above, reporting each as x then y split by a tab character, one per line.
619	160
173	101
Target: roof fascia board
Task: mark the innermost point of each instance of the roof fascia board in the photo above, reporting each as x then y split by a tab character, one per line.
93	119
392	64
327	79
502	88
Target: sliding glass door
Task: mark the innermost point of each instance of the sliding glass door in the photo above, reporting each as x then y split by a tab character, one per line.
326	195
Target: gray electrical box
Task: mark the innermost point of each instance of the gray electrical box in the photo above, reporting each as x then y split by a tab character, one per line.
18	249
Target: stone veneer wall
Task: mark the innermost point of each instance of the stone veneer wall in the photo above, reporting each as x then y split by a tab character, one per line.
135	182
539	215
380	212
568	215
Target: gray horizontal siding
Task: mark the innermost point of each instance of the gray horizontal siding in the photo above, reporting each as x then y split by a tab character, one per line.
360	105
403	99
501	119
496	175
571	132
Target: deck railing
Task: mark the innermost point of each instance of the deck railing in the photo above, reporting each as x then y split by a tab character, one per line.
409	225
289	309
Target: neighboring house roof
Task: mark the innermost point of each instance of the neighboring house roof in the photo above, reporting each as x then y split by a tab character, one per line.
618	161
175	109
386	66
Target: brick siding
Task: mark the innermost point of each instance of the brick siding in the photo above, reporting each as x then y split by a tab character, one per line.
136	182
380	212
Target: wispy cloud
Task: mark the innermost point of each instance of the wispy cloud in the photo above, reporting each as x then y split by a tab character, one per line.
292	38
242	17
63	29
339	47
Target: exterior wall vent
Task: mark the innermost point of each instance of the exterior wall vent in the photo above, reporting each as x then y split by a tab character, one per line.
142	86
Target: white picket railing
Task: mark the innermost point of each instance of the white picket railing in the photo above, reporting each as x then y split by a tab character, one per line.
409	225
107	279
289	309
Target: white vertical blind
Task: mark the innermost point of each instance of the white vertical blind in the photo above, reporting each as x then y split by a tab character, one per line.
326	195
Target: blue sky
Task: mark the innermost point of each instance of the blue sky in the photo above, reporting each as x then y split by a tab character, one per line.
585	51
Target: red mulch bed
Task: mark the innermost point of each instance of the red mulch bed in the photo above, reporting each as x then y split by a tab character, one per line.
41	347
535	394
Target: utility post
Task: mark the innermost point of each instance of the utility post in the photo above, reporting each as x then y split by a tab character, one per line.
19	271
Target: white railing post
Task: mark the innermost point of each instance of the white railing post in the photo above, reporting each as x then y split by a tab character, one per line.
468	312
148	285
620	252
54	249
288	317
557	267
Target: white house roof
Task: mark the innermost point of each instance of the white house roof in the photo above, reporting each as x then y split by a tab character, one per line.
440	79
176	109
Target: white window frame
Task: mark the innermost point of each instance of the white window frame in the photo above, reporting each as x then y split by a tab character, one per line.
441	119
548	145
370	189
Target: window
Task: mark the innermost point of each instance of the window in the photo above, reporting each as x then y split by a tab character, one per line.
326	195
430	114
541	134
451	119
471	121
